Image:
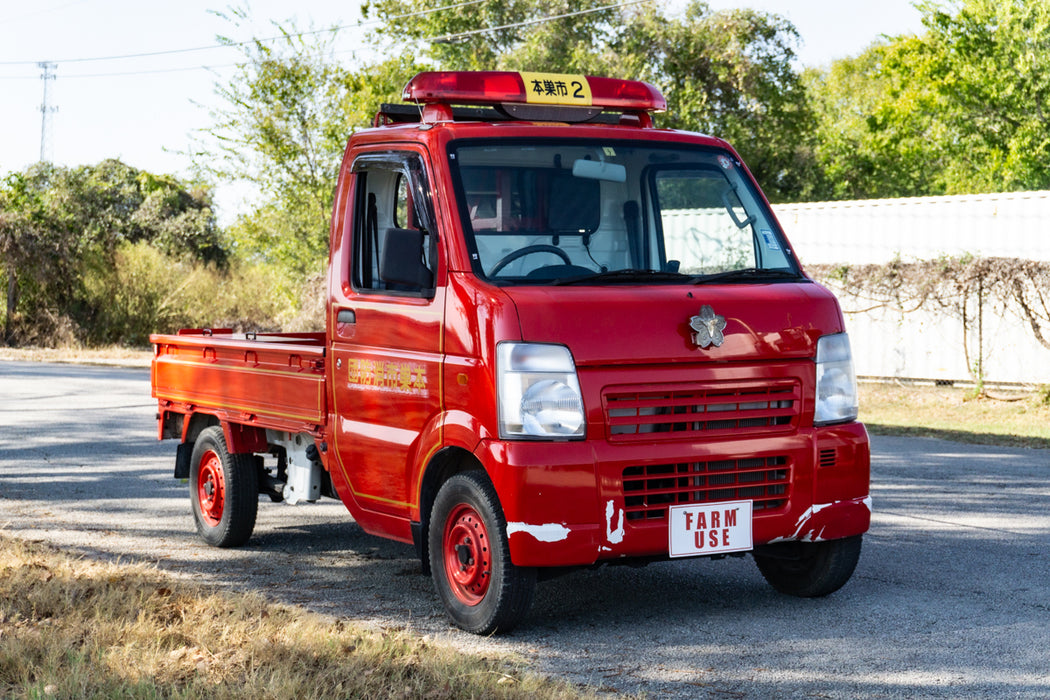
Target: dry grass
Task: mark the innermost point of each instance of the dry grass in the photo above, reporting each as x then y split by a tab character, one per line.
77	628
114	355
953	414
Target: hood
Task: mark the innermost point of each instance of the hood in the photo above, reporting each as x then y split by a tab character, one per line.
636	324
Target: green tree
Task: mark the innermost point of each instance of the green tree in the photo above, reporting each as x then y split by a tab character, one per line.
282	127
276	131
500	34
958	109
726	73
990	60
730	74
60	225
32	243
878	133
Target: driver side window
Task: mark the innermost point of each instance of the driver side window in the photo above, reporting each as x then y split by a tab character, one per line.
393	246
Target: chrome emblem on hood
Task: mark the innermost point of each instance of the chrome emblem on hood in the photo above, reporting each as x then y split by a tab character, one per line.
708	326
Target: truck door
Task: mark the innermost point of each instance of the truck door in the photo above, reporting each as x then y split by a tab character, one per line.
386	335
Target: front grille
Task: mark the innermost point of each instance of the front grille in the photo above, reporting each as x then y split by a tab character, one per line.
649	490
713	411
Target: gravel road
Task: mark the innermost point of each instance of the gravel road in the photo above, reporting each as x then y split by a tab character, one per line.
951	597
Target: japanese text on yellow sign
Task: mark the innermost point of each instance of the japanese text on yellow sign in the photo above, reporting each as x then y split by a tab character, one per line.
557	89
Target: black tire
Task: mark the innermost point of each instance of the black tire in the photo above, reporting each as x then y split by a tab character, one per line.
224	491
809	569
482	591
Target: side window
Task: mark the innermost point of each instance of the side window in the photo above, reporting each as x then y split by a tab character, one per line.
393	244
401	202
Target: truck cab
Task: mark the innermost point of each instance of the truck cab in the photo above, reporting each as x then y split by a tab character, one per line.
556	336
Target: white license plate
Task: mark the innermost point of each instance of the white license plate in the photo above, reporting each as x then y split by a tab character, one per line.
710	528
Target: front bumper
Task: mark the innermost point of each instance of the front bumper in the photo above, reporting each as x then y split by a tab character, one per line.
578	503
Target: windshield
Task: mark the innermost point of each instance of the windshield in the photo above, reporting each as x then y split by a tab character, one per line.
579	212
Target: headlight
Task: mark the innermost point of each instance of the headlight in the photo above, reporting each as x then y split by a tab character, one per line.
539	393
836	381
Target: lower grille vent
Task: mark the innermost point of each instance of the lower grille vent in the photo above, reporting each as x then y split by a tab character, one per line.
649	490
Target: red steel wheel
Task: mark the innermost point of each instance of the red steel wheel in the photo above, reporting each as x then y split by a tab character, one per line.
481	588
211	488
224	490
468	561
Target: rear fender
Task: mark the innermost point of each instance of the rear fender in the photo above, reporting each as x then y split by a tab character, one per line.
186	427
241	439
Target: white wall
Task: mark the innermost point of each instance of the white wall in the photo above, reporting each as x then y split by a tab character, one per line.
925	345
1012	225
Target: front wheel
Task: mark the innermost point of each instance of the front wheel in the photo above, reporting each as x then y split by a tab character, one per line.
483	592
809	569
224	491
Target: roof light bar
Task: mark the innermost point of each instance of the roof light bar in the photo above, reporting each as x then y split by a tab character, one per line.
501	87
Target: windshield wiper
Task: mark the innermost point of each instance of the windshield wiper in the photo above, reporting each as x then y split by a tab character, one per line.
747	273
625	276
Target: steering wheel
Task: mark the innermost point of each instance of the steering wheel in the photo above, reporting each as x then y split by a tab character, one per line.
529	250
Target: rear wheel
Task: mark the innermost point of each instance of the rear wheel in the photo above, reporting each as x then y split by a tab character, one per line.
809	569
483	592
224	491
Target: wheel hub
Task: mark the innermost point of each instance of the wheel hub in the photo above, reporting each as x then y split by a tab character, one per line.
463	551
211	492
466	555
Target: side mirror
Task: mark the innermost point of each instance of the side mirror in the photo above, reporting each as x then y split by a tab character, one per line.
401	262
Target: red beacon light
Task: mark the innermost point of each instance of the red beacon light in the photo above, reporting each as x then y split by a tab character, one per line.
534	96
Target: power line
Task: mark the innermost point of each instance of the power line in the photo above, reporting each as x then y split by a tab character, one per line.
120	74
539	20
171	52
443	38
155	71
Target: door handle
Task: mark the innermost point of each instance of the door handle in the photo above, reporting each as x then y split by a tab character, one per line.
346	316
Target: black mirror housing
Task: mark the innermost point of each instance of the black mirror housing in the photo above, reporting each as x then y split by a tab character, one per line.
402	263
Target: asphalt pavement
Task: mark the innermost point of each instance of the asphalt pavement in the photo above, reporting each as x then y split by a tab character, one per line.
951	598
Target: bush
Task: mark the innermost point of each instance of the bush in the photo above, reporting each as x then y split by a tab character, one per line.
146	291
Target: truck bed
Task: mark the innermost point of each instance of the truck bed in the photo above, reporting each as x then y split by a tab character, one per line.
269	380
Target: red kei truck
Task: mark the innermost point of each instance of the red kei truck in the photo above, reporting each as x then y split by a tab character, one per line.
556	337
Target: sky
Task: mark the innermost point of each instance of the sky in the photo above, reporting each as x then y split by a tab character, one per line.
109	99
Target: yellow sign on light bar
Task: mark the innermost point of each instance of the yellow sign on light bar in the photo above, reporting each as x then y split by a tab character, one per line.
556	89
